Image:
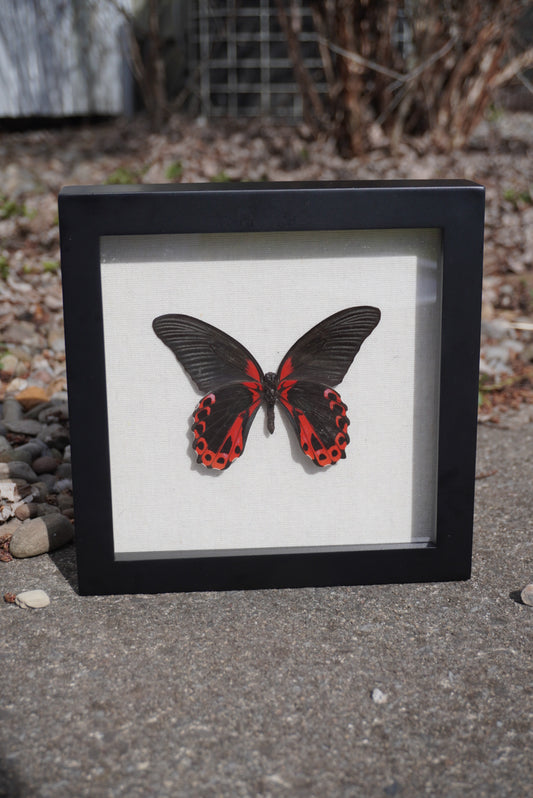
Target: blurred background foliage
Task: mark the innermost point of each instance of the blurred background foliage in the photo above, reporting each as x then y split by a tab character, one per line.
389	70
360	71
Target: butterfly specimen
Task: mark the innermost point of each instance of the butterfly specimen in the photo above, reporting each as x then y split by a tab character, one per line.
235	385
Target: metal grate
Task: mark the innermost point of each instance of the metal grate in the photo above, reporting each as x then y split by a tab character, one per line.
239	59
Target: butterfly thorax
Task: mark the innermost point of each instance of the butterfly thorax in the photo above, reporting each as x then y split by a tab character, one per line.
270	395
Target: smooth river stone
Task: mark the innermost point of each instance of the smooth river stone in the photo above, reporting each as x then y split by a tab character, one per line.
25	426
39	535
17	469
32	599
44	465
527	595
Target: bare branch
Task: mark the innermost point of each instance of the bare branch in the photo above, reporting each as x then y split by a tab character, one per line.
313	107
149	74
516	65
525	82
417	71
359	60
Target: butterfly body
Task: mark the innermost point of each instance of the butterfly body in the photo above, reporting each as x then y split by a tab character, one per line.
270	394
237	387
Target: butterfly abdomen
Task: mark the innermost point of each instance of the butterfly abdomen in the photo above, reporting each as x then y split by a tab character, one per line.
270	396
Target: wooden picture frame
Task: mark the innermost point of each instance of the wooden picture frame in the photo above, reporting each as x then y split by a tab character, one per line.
265	263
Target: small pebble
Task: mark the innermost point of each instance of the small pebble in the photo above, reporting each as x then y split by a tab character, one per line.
64	471
36	411
32	448
54	412
17	469
39	535
12	410
23	512
25	426
527	595
378	697
62	485
34	510
53	302
56	339
65	501
32	396
39	491
44	465
9	363
40	378
10	455
16	385
32	599
54	435
49	480
60	396
497	329
5	446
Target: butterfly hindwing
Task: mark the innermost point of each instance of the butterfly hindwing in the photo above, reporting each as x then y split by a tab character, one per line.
325	353
319	418
210	357
222	421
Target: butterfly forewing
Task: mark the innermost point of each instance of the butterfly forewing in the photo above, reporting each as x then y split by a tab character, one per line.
326	352
210	357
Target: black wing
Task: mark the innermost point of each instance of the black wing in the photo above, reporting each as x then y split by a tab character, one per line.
211	357
325	353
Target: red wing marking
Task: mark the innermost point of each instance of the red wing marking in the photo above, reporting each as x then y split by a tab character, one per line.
253	372
232	447
283	389
286	369
221	423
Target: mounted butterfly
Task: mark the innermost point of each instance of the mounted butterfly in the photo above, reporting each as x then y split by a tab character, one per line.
236	385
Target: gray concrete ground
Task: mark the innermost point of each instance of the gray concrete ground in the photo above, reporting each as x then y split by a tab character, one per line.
269	693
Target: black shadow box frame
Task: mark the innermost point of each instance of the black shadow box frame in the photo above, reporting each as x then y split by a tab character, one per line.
323	213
